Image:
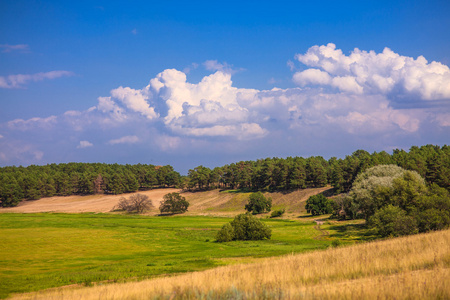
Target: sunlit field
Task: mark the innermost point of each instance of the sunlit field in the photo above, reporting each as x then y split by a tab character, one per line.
40	251
414	267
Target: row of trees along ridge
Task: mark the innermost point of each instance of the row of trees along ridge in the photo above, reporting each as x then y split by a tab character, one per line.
270	174
431	162
34	182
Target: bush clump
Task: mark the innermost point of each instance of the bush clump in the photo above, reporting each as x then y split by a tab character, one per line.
244	227
258	203
393	221
277	213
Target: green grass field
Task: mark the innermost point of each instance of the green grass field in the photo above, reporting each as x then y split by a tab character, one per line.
39	251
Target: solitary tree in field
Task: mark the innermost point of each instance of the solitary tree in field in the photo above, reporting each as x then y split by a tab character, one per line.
173	203
258	204
137	203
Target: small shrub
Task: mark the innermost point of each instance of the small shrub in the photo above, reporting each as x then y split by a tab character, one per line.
336	243
244	227
258	203
277	213
226	234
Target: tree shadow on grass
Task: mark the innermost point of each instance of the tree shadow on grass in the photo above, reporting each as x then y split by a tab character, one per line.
359	232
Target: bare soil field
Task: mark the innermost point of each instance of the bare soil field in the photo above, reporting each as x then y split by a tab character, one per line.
79	204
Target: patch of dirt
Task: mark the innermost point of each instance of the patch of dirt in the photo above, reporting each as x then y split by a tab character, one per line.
323	232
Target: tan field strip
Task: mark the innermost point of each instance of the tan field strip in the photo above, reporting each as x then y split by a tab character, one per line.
211	202
80	204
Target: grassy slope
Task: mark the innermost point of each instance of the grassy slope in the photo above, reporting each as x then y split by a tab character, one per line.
44	250
233	201
39	251
415	267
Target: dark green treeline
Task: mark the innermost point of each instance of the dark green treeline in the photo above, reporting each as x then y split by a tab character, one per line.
270	174
34	182
431	162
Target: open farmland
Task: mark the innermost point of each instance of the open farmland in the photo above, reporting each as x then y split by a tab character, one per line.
45	250
414	267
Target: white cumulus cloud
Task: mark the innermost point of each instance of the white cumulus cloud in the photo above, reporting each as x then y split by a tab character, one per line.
84	144
375	73
136	100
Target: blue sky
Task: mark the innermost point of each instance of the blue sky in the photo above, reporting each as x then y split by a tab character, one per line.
200	82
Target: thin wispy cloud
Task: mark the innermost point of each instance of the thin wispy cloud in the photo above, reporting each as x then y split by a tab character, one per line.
6	48
130	139
19	80
214	65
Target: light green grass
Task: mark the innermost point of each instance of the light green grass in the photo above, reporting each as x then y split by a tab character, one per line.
39	251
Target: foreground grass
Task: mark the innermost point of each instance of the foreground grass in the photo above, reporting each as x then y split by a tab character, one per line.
40	251
415	267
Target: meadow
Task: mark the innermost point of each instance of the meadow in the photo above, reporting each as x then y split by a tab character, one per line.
413	267
45	250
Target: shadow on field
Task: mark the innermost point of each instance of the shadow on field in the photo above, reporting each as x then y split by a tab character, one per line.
359	232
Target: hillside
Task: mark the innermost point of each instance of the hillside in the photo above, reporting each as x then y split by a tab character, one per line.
213	202
99	203
414	267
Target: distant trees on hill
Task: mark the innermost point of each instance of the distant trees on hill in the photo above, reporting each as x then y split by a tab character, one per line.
34	182
270	174
431	162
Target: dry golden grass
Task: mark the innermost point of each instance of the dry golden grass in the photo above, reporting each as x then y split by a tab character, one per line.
415	267
229	204
204	203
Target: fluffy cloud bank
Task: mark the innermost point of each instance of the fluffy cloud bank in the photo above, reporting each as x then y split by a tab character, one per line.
339	99
375	73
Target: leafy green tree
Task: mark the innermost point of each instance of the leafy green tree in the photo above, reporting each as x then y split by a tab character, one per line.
393	221
258	203
316	173
244	227
173	203
225	234
372	189
10	191
432	211
319	205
